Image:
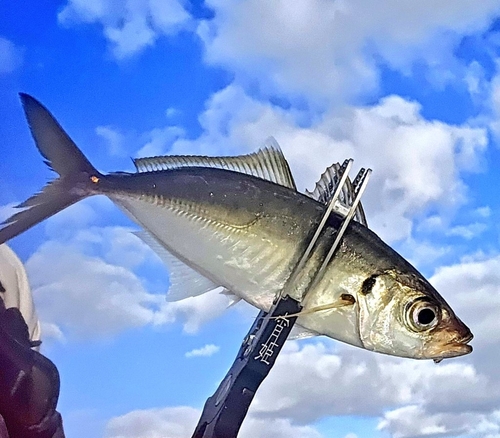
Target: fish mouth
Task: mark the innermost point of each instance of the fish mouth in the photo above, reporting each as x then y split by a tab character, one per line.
448	343
461	346
455	347
466	339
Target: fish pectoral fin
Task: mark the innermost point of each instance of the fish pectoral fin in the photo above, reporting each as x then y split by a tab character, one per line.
185	282
268	163
344	301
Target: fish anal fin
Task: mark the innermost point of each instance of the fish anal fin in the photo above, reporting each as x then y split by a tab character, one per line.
185	282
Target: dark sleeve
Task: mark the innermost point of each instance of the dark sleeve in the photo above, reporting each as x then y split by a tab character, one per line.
3	429
29	384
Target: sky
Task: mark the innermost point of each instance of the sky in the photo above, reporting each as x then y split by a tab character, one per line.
409	89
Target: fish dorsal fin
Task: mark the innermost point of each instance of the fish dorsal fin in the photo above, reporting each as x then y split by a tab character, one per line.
185	282
267	163
325	188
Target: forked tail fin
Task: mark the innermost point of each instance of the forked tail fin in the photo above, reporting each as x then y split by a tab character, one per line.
61	154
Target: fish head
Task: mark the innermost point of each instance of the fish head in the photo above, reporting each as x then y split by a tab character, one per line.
401	314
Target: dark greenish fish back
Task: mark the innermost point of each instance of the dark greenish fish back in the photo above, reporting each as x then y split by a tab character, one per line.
232	191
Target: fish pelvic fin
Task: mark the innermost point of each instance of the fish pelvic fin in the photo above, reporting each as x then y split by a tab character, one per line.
76	174
299	332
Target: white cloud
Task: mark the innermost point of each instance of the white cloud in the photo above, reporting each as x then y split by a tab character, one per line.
411	398
355	382
113	137
477	84
492	109
473	288
483	211
151	143
11	56
51	331
129	25
318	48
423	253
172	112
469	231
159	140
196	311
131	37
276	428
77	217
205	351
414	421
432	223
177	422
86	295
331	49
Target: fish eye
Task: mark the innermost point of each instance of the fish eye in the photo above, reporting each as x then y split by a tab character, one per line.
423	315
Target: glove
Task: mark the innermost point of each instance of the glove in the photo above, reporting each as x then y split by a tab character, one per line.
29	383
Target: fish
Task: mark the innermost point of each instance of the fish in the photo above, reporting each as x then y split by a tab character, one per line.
241	224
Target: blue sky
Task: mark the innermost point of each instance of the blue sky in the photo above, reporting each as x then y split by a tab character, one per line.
411	90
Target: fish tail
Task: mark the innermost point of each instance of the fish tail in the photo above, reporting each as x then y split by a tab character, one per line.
76	174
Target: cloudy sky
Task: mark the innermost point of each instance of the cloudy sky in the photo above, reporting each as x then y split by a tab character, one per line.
410	89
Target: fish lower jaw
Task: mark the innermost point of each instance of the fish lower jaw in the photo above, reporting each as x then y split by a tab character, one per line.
457	349
454	348
461	346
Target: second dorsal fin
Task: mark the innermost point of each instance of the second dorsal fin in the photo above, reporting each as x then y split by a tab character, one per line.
267	163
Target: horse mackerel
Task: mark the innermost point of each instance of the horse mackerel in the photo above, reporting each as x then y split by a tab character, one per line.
240	223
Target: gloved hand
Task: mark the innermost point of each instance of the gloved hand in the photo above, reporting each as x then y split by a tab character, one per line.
29	382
